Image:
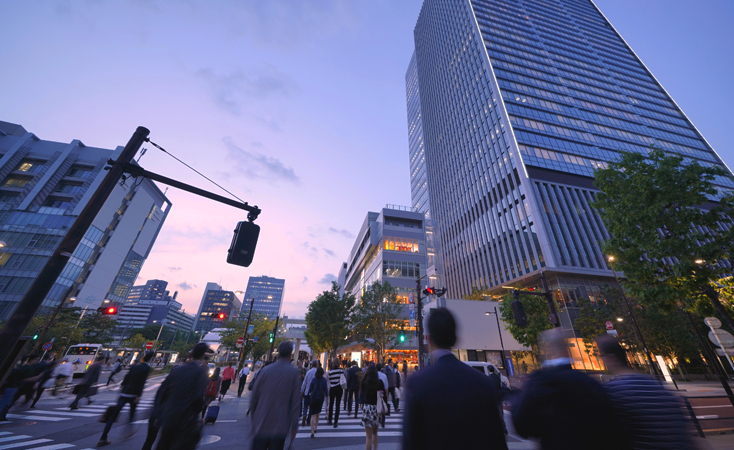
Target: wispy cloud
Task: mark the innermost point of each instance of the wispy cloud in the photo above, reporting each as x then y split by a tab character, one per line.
256	165
329	252
342	232
184	286
305	280
328	278
174	269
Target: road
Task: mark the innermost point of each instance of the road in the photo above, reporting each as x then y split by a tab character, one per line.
52	426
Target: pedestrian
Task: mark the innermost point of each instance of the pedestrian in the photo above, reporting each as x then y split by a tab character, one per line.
212	390
107	360
390	375
228	375
352	388
405	370
15	380
524	367
132	388
62	372
318	392
496	378
335	377
181	402
398	385
243	380
86	387
275	402
449	404
45	379
154	420
370	388
653	418
556	395
305	385
116	368
28	386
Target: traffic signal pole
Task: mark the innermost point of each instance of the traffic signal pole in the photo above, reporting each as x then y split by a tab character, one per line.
275	334
419	321
36	294
247	332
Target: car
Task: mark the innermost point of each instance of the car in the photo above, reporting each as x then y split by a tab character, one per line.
487	368
211	369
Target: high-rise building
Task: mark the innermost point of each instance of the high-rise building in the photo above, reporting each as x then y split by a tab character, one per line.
45	185
216	301
151	303
416	151
267	293
520	101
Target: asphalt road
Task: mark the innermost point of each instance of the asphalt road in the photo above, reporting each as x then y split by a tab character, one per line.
52	426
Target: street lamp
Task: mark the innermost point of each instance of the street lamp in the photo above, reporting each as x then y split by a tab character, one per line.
502	344
163	322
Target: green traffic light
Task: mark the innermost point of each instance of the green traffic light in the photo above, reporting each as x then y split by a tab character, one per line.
271	337
35	336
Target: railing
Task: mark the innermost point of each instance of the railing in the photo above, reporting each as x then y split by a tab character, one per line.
400	208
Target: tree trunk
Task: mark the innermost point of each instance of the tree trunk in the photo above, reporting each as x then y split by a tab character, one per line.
713	295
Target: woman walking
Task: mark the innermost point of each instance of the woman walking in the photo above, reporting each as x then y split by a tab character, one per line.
227	379
212	389
335	389
370	388
318	392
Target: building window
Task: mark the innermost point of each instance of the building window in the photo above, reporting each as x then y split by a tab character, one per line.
7	197
80	172
52	202
68	188
29	166
401	269
400	244
15	182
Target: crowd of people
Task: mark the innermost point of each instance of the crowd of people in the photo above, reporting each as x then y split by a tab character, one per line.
447	404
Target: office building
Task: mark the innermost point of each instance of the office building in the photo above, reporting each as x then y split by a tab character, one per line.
390	247
267	293
216	301
45	185
150	304
520	102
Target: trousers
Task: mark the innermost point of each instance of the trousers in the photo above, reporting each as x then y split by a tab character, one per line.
241	386
335	396
116	412
260	442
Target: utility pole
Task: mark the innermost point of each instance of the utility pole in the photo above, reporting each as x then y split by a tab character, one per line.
247	332
275	334
419	321
36	294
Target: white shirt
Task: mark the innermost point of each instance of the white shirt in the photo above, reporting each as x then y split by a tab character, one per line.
64	370
383	377
244	372
307	380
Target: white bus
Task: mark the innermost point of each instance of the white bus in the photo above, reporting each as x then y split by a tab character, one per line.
86	353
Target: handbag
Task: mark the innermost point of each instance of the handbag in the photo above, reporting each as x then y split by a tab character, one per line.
381	406
343	381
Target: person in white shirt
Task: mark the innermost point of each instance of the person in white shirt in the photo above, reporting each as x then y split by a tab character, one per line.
243	380
335	389
62	372
306	417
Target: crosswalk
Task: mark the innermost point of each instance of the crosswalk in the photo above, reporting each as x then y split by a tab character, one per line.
9	440
349	427
64	413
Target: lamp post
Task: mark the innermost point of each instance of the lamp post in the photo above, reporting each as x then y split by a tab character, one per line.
163	322
502	344
638	333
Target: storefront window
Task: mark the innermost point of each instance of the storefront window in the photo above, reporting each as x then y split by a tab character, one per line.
400	244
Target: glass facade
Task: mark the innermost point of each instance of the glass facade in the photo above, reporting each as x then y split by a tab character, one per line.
268	295
520	101
216	301
418	174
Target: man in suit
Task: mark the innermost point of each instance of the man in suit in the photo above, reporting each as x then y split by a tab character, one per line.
449	404
132	389
275	402
179	406
90	379
563	407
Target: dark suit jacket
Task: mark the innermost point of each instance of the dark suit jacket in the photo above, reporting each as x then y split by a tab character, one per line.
450	405
567	410
182	395
134	381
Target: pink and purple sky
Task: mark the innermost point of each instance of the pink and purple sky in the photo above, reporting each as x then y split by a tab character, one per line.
295	106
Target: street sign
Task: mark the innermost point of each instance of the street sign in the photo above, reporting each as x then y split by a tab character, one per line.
47	346
612	332
149	345
411	299
240	340
609	324
251	329
724	338
255	338
412	313
411	306
412	322
712	322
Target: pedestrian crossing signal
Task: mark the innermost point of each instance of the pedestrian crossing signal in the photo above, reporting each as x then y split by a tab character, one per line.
402	337
271	338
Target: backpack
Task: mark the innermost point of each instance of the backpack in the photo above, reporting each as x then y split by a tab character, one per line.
211	389
317	395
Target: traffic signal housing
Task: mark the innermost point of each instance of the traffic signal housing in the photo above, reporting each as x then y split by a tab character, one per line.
109	309
519	312
402	337
271	338
244	241
433	291
219	315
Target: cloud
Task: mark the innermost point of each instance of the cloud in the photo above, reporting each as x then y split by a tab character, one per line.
328	278
174	269
258	166
236	90
305	280
186	286
329	252
341	232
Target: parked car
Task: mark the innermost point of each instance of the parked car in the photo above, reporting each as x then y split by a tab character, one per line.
211	369
486	368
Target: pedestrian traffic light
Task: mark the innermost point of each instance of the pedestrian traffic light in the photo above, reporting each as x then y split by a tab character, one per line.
244	241
433	291
35	336
519	312
271	338
402	337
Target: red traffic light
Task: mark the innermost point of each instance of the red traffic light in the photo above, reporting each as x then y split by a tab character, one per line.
221	316
429	291
111	310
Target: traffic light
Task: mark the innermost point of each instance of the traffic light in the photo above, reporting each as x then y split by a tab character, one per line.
402	337
243	244
35	336
519	312
433	291
271	338
109	309
219	315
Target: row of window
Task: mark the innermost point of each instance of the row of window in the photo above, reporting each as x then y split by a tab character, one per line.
401	269
400	244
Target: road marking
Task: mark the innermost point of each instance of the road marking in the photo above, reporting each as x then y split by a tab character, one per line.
41	418
14	438
66	413
24	444
53	447
226	421
346	435
209	439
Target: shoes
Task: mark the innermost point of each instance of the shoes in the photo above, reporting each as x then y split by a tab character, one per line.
312	434
335	425
73	407
103	442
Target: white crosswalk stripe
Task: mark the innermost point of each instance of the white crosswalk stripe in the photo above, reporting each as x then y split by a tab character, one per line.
349	427
25	442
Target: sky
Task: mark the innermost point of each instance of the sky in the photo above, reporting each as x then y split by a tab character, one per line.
297	107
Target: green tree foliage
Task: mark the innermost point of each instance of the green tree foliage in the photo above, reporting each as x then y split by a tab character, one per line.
63	331
536	311
262	327
97	328
476	294
376	317
135	341
328	320
667	237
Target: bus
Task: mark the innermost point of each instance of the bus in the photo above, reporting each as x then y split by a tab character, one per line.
86	353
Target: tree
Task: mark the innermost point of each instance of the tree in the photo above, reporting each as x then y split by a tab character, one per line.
135	341
376	317
667	237
328	320
536	312
476	294
97	328
64	331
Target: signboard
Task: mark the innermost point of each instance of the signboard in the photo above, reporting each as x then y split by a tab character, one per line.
412	313
240	340
251	329
713	322
609	325
412	324
612	332
47	346
725	339
510	367
149	345
255	338
411	299
411	306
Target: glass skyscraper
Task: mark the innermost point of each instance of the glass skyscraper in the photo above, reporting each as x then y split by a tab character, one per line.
267	293
519	102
